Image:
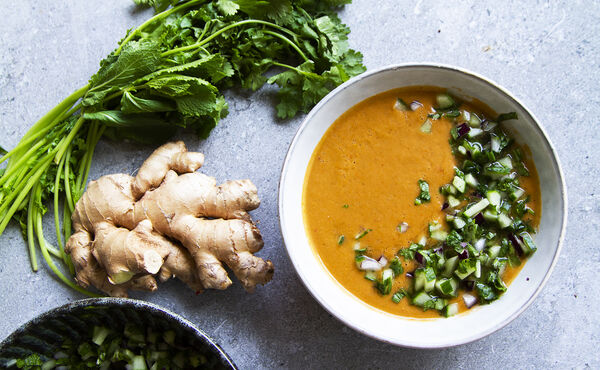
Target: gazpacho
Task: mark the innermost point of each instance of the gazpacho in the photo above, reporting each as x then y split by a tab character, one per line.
420	204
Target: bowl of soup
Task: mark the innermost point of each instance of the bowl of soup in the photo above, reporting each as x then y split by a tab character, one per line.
422	205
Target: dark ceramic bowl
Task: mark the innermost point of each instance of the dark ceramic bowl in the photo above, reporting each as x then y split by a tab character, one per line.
45	333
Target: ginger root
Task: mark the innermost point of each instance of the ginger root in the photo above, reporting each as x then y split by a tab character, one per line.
168	221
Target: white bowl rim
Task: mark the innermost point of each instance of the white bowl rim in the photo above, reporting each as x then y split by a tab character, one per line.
494	85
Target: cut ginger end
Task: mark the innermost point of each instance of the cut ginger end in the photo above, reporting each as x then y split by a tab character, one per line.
167	221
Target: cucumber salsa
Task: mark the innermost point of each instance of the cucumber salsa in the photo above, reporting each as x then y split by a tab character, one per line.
487	225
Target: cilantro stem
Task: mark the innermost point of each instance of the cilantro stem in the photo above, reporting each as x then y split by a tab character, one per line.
68	199
65	257
22	190
309	74
224	29
67	226
47	257
153	19
30	240
288	41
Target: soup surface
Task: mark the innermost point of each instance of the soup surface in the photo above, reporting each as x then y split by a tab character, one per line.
364	175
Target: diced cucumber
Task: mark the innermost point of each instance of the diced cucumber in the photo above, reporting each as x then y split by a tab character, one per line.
450	310
516	194
449	218
471	180
420	299
504	220
490	125
426	126
495	143
494	197
371	275
459	184
433	226
528	244
462	275
423	241
419	279
401	105
494	251
444	101
447	287
490	215
484	258
474	121
506	162
453	201
429	285
476	208
459	223
439	235
450	266
477	273
462	150
440	263
474	132
440	303
387	274
424	279
499	264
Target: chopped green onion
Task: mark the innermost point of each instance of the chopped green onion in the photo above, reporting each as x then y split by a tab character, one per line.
340	240
362	234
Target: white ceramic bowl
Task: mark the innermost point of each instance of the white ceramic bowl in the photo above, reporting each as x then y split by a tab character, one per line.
409	332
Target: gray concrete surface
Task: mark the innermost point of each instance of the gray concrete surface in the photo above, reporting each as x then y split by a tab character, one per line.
545	52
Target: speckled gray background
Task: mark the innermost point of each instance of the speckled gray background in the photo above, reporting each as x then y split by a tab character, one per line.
545	52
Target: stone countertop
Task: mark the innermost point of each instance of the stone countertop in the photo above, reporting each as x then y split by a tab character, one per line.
546	53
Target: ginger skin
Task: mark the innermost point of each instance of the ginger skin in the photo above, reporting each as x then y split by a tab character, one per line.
168	221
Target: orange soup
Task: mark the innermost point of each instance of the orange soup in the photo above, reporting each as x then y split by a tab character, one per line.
362	183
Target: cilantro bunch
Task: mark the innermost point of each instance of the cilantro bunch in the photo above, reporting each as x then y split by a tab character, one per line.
168	73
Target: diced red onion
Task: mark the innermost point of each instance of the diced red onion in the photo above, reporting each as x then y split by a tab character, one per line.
464	244
479	219
463	255
516	243
445	205
470	300
415	105
438	250
419	257
383	261
369	264
463	129
410	274
480	244
403	227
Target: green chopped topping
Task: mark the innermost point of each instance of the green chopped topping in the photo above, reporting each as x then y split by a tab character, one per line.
346	206
396	266
507	116
409	253
362	234
424	195
401	105
340	240
397	297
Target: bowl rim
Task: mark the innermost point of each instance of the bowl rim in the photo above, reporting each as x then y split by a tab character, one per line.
122	302
492	84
